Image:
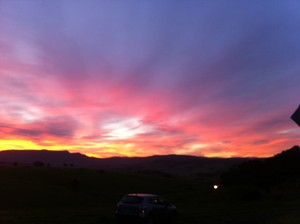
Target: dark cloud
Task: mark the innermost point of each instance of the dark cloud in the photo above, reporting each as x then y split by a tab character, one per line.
28	132
61	127
260	142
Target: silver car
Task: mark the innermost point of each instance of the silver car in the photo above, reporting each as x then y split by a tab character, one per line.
148	208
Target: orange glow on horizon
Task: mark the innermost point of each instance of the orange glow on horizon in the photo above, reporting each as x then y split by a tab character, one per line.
105	149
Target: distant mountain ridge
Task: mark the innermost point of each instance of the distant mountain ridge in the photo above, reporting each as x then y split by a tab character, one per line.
55	158
161	163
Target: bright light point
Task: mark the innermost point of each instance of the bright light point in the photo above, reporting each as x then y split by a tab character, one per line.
216	186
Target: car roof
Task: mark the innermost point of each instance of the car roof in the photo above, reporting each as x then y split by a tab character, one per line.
142	195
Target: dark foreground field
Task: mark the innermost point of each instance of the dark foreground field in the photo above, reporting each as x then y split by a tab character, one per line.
71	196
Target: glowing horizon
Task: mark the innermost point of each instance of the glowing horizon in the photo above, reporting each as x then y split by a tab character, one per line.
149	78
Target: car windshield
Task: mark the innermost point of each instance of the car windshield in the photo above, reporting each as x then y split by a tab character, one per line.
132	199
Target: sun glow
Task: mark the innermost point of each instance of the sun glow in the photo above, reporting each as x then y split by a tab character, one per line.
125	129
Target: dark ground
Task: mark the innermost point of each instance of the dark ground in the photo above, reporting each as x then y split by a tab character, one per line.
40	195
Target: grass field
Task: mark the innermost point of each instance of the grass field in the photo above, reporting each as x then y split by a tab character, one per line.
71	196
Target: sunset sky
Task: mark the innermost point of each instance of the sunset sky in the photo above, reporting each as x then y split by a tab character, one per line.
136	78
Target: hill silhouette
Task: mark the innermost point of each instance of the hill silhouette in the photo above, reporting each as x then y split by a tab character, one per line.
179	164
266	173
